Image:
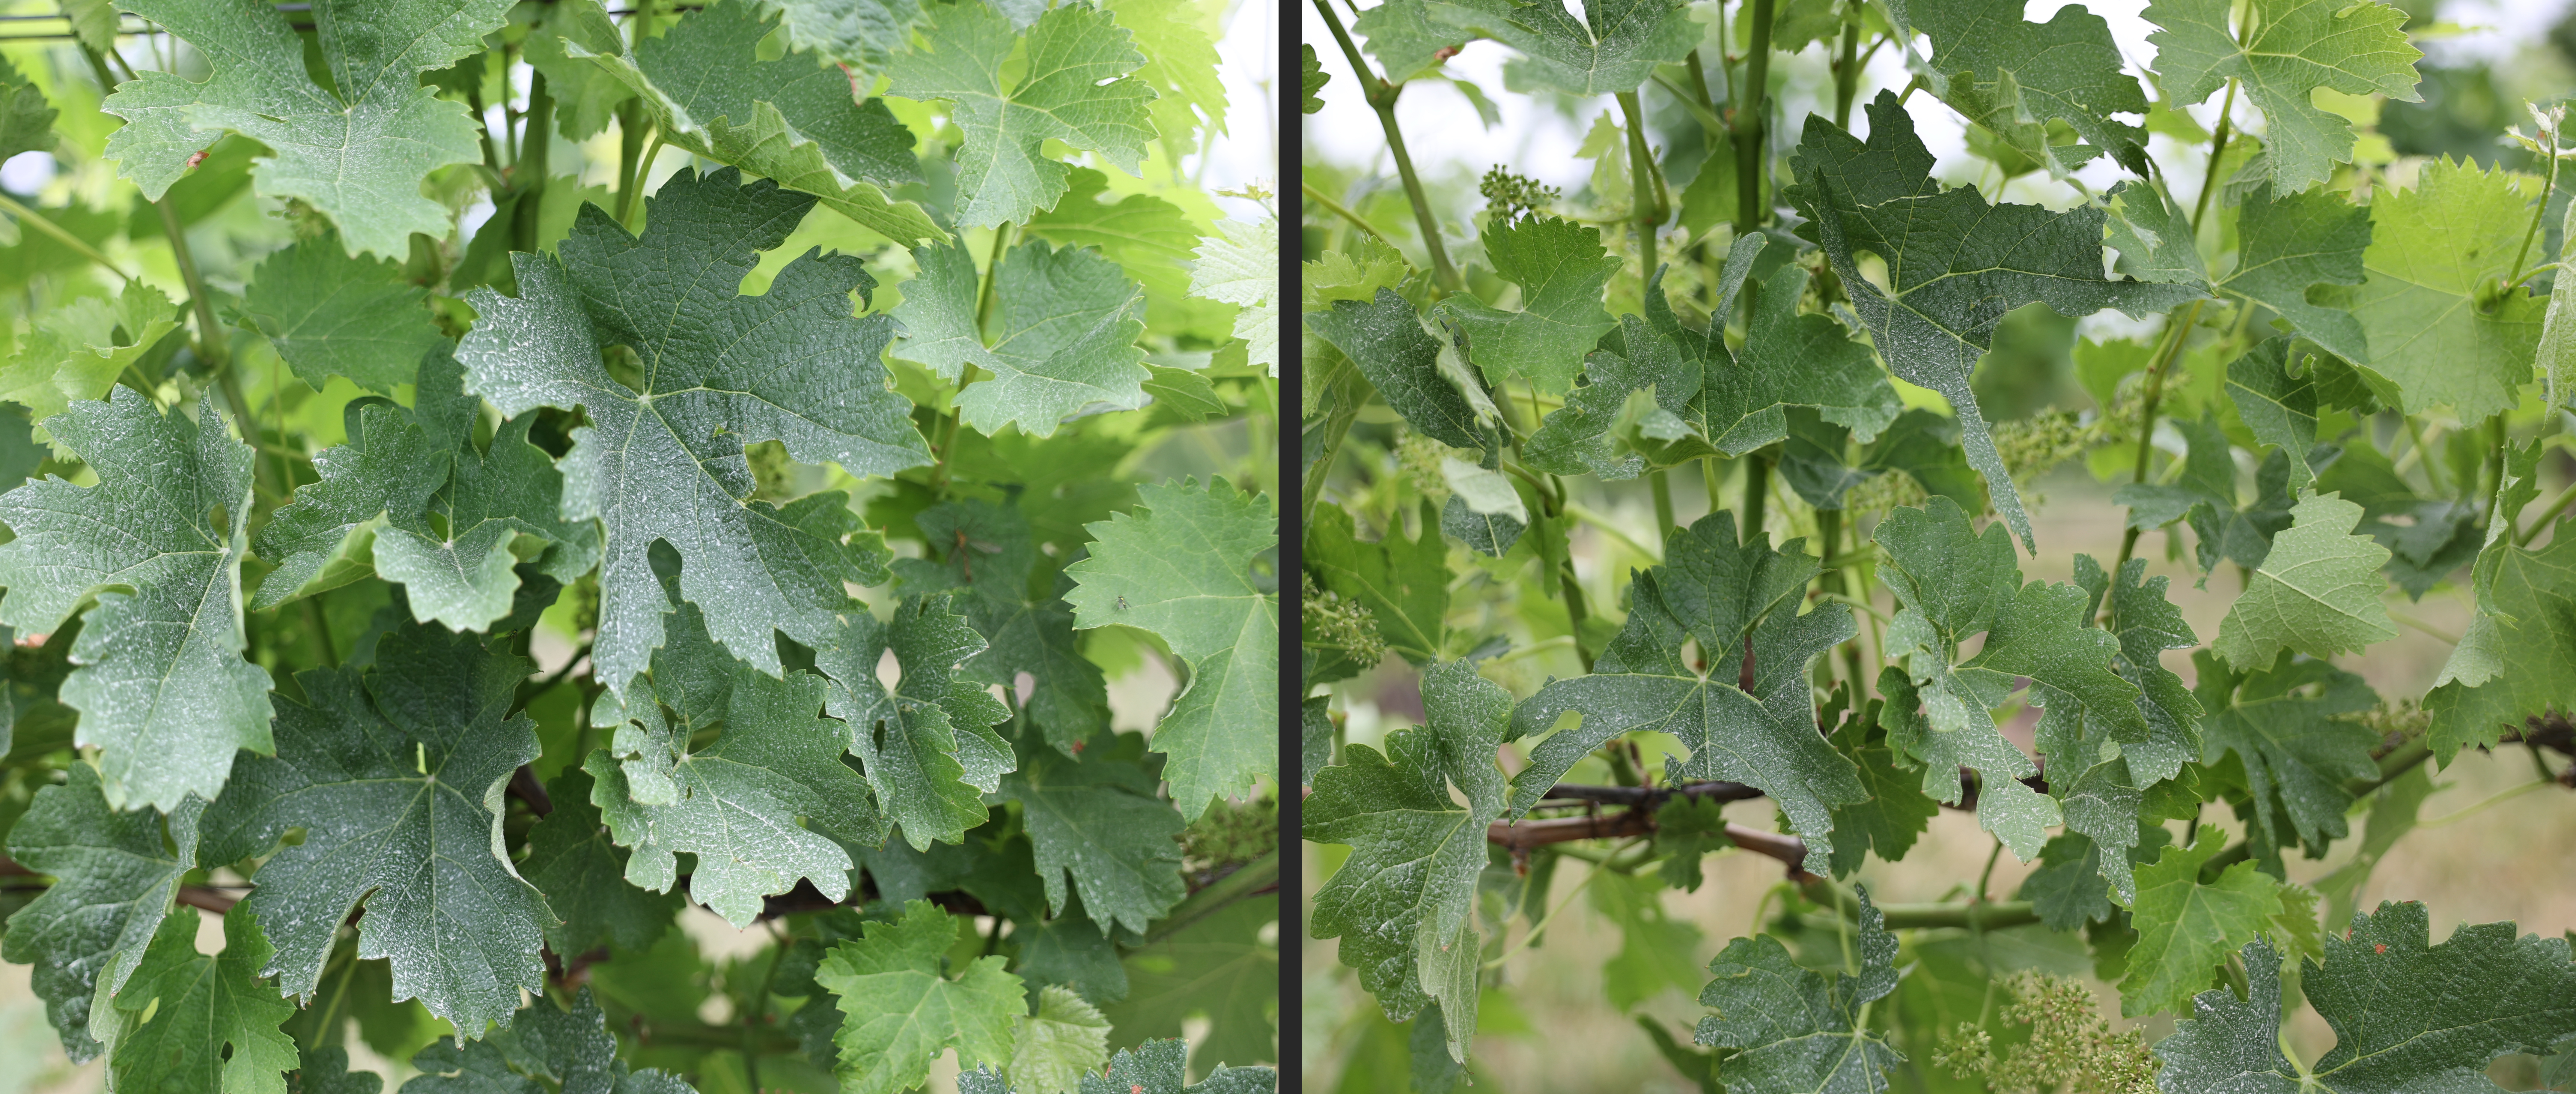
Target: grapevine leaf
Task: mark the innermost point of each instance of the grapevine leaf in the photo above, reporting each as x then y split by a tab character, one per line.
2512	663
2068	889
568	1049
1790	358
902	1009
1613	49
1064	325
1402	360
1954	264
1889	820
2294	47
1149	238
2281	721
1181	65
1028	632
1055	1048
1315	79
1241	267
2317	593
1737	601
2014	77
191	1022
1404	38
582	873
2280	407
859	33
725	370
1401	903
1561	269
113	884
1656	950
2154	237
2288	243
75	352
1791	1028
2186	928
331	314
1219	968
26	119
395	772
1182	566
325	538
357	151
1076	90
2206	493
789	119
2437	327
1099	821
766	803
1157	1067
1404	583
1489	534
927	743
162	688
2147	623
586	94
2407	1016
1571	440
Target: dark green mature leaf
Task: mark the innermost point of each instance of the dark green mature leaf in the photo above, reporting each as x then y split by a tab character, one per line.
1613	49
113	883
26	119
570	1050
1218	968
1388	342
162	688
2281	722
927	743
358	150
2147	623
325	537
2317	592
1792	358
1895	812
331	314
2068	889
2289	243
1076	89
2439	330
1183	565
1736	600
586	96
1797	1029
903	1008
2407	1015
394	772
191	1022
725	370
1489	534
2014	77
2186	928
2280	406
767	802
1572	440
2153	234
1155	1067
1561	270
990	549
582	873
2227	528
1099	820
1401	904
1954	265
1315	79
1062	334
790	119
2292	48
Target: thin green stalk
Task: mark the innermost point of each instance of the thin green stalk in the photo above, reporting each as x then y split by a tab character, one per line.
630	149
1847	75
1757	494
1550	917
643	177
1699	84
2156	373
1381	97
2531	231
528	169
1710	476
1663	492
1645	180
2432	461
1338	209
30	218
2217	152
1750	134
992	273
2548	513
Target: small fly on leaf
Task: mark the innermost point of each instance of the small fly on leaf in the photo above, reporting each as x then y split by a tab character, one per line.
1122	603
965	563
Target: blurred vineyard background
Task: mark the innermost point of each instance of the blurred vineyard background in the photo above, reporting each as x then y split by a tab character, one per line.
2505	855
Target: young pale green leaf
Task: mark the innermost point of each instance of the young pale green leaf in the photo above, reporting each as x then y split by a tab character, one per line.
2152	232
2439	331
666	462
1062	329
1076	89
1402	903
2291	48
1738	601
2187	928
1790	1028
1053	1050
162	688
766	803
1181	65
1561	269
2282	722
790	119
1314	80
2407	1015
2288	243
1183	566
1613	49
902	1008
2317	593
2014	77
927	743
1405	39
394	772
331	314
582	872
1953	265
1241	267
114	881
1386	339
75	352
357	151
187	1021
